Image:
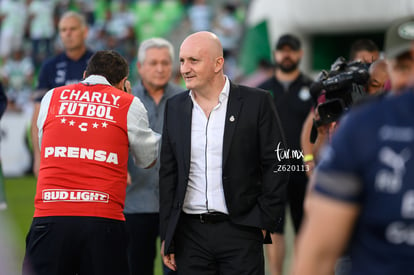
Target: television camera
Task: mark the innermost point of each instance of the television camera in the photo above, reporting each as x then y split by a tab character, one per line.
341	86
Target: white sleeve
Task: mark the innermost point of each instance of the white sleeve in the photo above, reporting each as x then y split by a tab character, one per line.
143	141
41	118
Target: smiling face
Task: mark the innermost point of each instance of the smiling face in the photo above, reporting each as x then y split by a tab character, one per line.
156	69
200	60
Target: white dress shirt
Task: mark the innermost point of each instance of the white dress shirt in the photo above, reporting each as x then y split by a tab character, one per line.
205	186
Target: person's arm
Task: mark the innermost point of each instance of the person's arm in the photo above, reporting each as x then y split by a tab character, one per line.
321	140
168	180
307	146
143	141
168	259
323	135
272	199
324	235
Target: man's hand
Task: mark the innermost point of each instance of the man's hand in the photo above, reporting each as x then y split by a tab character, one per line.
169	259
129	181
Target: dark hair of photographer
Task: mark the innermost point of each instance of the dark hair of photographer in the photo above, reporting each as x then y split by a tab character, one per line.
364	50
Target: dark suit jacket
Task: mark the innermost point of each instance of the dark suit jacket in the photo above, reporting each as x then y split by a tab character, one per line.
254	192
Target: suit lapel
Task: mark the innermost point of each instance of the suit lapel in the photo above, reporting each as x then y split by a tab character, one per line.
185	125
233	110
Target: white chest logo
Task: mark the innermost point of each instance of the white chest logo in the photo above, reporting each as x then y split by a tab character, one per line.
390	181
304	94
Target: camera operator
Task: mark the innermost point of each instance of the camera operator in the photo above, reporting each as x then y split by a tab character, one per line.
346	84
363	50
366	85
339	89
363	185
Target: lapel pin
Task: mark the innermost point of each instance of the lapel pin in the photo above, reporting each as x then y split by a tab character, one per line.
232	118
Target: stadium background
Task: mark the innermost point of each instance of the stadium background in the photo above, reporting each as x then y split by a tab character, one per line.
326	27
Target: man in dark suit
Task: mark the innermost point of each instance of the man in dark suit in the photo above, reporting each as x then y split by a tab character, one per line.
220	191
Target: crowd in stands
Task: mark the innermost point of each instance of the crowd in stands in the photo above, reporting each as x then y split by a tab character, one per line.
32	36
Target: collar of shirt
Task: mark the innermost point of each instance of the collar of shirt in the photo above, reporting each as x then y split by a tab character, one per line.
166	93
223	94
95	79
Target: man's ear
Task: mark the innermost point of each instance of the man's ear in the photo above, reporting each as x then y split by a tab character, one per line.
219	64
127	86
120	84
124	85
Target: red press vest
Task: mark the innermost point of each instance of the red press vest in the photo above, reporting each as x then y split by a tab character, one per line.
84	153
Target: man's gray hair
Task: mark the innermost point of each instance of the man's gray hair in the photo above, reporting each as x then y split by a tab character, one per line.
155	42
76	15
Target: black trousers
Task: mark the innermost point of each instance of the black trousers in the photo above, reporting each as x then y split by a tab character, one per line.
296	191
221	248
143	230
76	245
